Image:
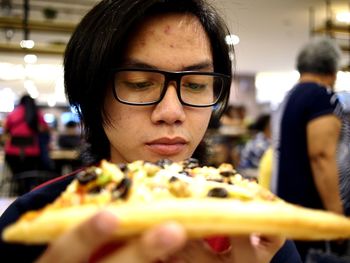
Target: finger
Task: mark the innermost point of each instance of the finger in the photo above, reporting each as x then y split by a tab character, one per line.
265	247
155	244
266	241
82	240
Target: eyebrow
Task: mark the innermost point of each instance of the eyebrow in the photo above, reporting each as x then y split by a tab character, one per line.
139	64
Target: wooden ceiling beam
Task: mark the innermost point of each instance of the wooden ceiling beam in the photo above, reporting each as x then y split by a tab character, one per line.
37	25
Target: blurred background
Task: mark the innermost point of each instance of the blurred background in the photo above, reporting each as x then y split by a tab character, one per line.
266	33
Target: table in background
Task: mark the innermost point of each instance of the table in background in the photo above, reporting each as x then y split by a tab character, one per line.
65	160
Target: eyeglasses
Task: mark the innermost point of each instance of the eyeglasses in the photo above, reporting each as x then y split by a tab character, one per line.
147	86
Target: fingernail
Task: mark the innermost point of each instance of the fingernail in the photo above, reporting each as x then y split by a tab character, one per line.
105	222
255	240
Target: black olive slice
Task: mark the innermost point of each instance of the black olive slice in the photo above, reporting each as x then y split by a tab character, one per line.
122	189
227	173
163	162
184	173
218	192
85	176
173	179
95	190
191	163
123	167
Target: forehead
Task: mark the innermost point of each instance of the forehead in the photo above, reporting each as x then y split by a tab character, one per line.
169	40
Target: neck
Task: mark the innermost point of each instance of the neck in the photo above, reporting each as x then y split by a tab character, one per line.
324	80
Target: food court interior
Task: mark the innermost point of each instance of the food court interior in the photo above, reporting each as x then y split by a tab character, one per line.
266	35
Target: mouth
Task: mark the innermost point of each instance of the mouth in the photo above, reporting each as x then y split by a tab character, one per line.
167	146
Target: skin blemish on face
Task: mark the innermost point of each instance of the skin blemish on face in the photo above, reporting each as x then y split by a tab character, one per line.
167	29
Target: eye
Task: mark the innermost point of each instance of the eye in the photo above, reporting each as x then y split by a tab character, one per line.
141	85
195	86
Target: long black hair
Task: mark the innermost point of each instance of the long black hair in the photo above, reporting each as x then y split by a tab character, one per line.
31	112
98	43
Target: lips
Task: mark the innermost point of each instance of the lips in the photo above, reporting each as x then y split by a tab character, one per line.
167	146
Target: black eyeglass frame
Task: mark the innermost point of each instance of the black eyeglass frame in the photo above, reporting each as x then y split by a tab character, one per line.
171	76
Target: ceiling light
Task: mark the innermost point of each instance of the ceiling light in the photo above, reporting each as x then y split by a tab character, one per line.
51	101
343	17
30	59
7	100
232	39
27	44
10	72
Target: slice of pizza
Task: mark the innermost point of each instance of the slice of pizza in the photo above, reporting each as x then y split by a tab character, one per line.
206	200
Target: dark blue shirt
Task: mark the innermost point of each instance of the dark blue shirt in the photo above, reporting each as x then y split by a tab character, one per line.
46	194
295	183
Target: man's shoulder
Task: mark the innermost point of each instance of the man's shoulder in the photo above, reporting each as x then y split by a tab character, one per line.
57	182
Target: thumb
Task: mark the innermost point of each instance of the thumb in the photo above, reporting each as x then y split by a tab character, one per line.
155	244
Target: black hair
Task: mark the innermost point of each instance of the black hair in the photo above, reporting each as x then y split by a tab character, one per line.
98	43
71	124
260	123
31	111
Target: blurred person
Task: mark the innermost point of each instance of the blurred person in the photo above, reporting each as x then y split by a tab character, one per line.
234	116
255	147
164	50
265	168
70	137
343	153
306	131
22	128
233	129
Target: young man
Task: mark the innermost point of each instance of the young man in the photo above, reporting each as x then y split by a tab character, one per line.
145	76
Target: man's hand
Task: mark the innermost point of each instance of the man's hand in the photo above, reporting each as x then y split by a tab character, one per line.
82	242
244	249
164	243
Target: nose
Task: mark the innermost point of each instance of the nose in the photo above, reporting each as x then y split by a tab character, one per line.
169	110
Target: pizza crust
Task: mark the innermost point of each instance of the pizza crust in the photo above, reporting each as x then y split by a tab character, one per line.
200	218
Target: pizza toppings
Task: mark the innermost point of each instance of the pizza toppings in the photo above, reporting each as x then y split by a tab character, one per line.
122	189
190	163
164	162
142	181
86	176
144	194
228	173
218	192
146	181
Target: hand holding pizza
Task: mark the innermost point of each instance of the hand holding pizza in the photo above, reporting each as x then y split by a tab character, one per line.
247	249
132	204
165	242
86	239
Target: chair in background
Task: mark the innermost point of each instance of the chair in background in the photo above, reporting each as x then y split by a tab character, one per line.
69	141
26	181
26	171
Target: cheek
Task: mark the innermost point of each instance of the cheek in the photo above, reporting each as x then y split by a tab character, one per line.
119	120
199	122
115	116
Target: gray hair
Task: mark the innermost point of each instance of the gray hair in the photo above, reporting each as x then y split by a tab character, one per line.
320	55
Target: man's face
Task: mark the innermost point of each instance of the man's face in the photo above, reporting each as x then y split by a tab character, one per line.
171	42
